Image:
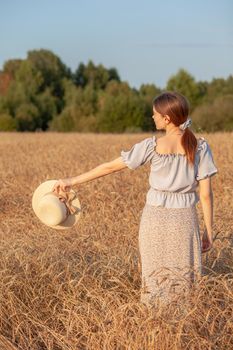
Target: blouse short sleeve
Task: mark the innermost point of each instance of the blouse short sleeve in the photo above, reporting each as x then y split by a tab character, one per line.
206	166
141	153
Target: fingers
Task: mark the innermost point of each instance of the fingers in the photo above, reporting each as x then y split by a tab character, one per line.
206	247
61	185
205	250
56	187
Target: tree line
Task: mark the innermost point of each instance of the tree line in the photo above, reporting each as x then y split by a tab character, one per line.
41	93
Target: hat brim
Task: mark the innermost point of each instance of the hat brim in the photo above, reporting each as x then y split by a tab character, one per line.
47	187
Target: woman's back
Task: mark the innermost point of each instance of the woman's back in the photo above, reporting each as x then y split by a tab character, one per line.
169	144
173	181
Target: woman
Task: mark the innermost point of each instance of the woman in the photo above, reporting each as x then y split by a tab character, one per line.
169	238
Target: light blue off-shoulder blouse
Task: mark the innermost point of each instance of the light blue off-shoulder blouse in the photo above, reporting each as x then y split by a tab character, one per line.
173	181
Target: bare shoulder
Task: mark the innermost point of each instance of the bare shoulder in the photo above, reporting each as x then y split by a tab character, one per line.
161	142
162	139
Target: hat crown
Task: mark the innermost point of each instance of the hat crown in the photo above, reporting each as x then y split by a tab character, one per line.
51	210
59	211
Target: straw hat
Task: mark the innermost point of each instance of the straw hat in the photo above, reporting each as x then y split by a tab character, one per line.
59	211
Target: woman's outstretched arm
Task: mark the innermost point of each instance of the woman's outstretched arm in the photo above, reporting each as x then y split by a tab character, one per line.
99	171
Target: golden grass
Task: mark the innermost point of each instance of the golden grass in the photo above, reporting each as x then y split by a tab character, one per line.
80	288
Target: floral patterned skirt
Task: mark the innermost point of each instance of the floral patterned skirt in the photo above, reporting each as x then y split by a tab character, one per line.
170	252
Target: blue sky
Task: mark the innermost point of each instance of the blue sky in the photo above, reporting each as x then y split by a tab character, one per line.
146	41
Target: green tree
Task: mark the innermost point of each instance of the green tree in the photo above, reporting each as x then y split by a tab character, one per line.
148	92
11	66
218	87
36	88
214	116
120	109
29	78
79	112
46	104
52	69
97	76
20	98
28	117
7	123
184	83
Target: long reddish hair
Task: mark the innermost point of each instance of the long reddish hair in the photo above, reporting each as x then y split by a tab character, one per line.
176	106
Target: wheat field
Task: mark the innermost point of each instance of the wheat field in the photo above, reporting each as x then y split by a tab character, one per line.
79	289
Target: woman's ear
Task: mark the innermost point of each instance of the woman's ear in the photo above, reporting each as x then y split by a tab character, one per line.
167	119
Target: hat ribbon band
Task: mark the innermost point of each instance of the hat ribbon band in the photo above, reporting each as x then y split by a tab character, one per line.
67	198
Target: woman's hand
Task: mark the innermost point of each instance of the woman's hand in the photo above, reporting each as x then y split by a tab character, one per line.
207	243
63	185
